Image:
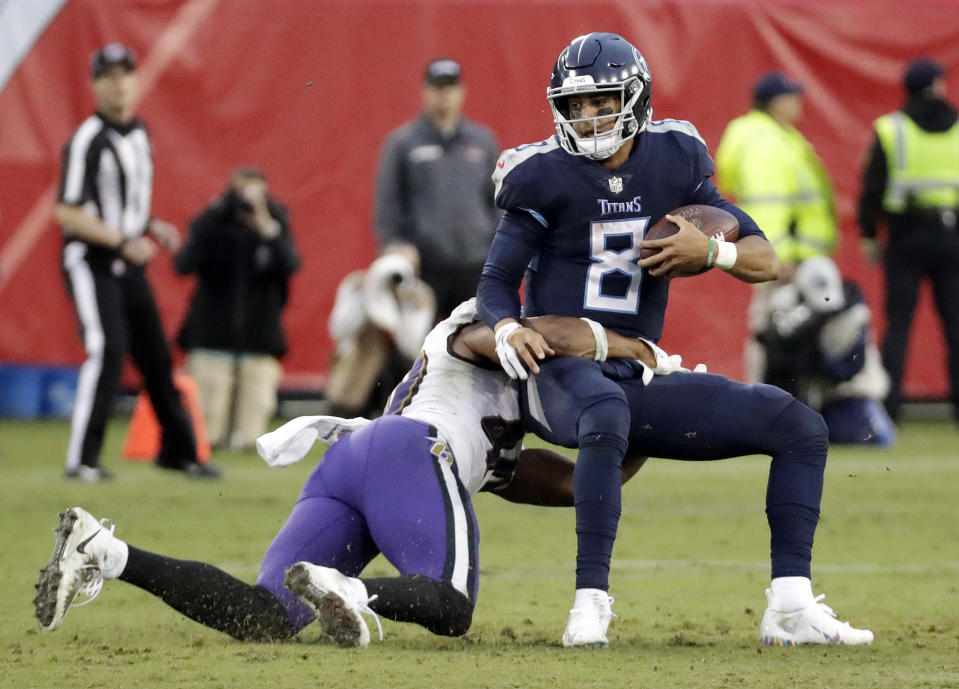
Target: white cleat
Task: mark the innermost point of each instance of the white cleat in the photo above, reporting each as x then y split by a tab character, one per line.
814	624
74	568
587	624
337	601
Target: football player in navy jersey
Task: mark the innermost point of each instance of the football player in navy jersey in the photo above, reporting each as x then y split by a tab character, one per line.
577	206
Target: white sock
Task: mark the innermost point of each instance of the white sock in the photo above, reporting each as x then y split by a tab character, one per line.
791	593
115	559
586	598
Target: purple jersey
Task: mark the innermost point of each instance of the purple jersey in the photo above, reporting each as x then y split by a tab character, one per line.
577	226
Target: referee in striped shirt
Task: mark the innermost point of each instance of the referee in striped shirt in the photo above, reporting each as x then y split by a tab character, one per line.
109	236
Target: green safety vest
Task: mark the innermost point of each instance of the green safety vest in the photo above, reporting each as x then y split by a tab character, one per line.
774	174
923	166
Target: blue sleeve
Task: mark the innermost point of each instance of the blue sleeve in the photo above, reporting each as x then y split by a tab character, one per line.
708	194
517	239
844	367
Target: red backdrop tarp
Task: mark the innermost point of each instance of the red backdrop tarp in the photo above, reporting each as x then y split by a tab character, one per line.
308	89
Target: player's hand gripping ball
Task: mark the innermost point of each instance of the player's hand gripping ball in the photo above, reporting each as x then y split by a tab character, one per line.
711	221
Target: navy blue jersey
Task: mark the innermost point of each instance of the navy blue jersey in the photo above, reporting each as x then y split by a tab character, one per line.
577	225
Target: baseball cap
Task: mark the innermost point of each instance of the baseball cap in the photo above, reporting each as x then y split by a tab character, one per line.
442	72
920	74
110	55
772	84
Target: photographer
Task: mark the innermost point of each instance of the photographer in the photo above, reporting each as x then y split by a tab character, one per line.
379	321
242	253
819	345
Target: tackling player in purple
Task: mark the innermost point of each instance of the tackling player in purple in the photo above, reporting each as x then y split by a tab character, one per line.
400	485
577	208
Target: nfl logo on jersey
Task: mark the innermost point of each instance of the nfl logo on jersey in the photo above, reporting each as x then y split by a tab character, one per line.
616	184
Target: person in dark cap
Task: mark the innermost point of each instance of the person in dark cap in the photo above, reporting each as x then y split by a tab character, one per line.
772	84
774	174
921	74
434	188
109	237
910	186
442	72
112	55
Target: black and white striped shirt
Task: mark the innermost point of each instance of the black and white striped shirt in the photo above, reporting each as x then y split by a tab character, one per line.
108	169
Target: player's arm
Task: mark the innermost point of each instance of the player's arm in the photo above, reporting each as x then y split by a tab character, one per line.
566	336
751	258
497	297
515	243
544	477
569	336
755	260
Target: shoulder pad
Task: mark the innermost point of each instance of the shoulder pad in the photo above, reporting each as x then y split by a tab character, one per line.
679	126
512	158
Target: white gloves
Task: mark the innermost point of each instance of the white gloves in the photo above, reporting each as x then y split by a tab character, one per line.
508	356
666	364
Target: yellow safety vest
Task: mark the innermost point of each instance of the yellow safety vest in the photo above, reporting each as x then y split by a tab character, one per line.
774	174
923	166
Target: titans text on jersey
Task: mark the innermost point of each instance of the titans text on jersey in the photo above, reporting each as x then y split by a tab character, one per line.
578	225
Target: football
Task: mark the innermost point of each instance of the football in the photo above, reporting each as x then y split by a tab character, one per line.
711	221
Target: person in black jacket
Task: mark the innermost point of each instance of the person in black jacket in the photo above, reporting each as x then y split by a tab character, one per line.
242	253
910	183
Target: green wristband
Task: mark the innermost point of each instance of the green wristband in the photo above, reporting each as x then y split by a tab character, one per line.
711	253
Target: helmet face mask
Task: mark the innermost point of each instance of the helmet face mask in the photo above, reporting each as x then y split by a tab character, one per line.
593	64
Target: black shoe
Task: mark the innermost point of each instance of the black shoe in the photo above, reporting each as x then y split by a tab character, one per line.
191	468
205	469
89	474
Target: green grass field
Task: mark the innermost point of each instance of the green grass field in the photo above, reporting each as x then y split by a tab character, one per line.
689	570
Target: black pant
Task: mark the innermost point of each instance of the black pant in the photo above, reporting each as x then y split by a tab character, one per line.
118	314
921	252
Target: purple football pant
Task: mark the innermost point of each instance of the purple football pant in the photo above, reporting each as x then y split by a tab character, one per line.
387	488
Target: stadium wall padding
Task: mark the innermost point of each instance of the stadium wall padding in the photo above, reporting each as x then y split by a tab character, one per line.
308	89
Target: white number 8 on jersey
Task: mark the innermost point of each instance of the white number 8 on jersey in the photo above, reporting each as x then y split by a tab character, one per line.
607	261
